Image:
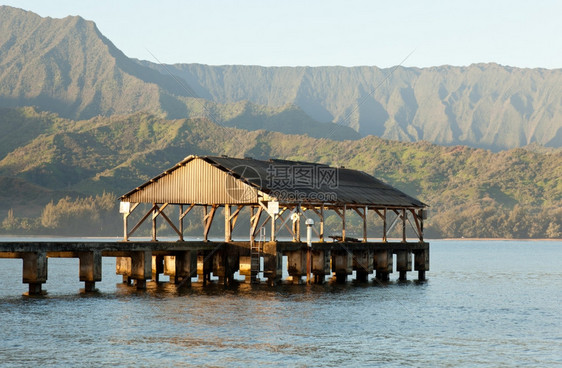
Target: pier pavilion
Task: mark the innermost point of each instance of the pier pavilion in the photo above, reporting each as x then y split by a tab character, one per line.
275	196
282	195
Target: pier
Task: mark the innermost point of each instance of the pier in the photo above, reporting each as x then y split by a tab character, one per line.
276	197
140	261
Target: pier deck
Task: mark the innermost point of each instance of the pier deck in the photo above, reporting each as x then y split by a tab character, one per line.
139	261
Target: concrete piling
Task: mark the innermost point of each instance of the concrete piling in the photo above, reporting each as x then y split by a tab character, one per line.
383	264
296	265
320	265
272	263
403	263
35	271
342	264
141	268
90	269
363	264
421	263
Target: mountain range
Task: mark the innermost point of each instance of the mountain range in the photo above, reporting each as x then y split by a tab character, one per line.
67	66
79	118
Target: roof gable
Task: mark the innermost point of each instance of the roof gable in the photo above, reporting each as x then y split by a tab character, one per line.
194	180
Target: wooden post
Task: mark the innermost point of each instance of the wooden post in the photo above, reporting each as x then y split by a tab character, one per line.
181	222
298	225
364	218
251	225
273	229
227	224
182	215
421	214
365	224
384	235
404	225
322	223
154	215
343	224
125	226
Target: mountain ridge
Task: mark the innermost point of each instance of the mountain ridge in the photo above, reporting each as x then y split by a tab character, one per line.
69	67
481	105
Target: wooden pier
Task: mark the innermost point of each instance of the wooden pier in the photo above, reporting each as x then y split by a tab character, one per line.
277	197
139	261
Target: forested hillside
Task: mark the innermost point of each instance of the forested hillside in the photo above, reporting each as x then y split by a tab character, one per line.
472	192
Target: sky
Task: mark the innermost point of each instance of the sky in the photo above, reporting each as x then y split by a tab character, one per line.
419	33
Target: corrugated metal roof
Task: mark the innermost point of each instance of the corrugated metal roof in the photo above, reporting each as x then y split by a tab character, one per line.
296	181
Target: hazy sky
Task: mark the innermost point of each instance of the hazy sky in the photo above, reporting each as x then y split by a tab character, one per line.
290	32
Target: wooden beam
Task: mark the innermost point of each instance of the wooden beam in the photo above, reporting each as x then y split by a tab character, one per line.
364	217
208	220
234	216
337	211
161	213
280	215
183	214
418	224
381	215
254	220
395	221
140	222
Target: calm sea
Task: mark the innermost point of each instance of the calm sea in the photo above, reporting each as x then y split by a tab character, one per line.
486	303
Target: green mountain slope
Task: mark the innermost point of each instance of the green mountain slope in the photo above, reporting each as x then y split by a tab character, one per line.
472	192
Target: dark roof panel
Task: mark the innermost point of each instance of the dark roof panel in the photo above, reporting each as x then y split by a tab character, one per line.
305	182
313	180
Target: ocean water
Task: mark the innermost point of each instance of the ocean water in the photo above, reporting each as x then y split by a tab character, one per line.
485	304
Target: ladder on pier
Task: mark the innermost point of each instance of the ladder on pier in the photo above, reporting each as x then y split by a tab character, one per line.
256	249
